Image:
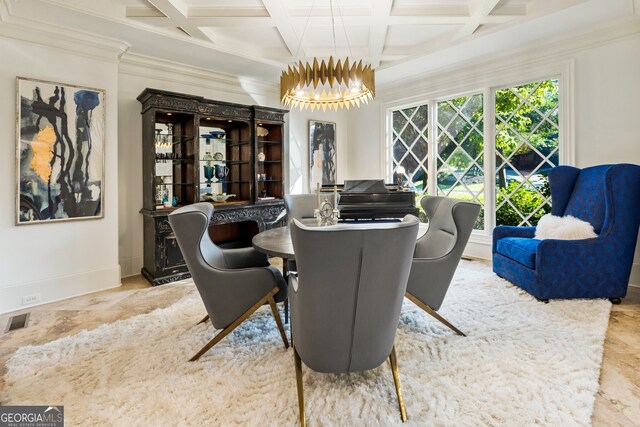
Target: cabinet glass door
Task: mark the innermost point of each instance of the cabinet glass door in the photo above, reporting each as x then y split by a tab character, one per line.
269	184
224	161
174	178
213	162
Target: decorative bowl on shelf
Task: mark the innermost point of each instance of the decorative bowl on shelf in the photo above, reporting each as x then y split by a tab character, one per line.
217	134
222	197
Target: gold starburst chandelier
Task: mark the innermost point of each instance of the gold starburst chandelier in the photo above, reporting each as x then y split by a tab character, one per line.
323	85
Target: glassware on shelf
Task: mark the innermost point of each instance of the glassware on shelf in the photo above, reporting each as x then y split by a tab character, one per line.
170	132
208	174
159	190
158	139
217	134
221	173
208	158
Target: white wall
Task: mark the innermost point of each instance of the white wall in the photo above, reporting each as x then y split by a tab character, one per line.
607	96
298	178
135	74
61	259
606	93
366	136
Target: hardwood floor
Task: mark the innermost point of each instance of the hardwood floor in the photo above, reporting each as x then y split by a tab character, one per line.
617	402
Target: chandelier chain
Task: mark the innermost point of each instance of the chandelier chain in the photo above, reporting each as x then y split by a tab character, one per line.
333	27
344	28
304	31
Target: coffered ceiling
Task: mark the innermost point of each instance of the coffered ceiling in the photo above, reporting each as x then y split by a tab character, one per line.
256	39
382	31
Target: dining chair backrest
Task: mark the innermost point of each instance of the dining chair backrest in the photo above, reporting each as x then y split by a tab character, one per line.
450	224
217	284
302	206
438	252
352	280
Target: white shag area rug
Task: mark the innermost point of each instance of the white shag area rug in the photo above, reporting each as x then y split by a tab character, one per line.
523	363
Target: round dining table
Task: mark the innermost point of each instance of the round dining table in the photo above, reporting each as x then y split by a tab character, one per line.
277	241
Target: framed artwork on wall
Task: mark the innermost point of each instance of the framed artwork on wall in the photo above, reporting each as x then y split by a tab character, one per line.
322	153
60	139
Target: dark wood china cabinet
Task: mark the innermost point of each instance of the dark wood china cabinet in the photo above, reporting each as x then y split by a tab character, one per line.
196	149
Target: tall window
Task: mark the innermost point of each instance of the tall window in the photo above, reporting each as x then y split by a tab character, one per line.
410	147
460	150
526	150
454	150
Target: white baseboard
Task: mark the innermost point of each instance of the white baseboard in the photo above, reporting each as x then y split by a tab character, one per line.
634	279
131	266
58	288
478	250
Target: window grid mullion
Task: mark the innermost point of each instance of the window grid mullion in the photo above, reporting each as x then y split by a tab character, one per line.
432	187
489	134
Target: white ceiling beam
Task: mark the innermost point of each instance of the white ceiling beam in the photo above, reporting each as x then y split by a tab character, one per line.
345	10
143	12
285	26
222	21
481	9
338	53
510	9
431	10
176	11
205	12
257	21
254	17
446	20
378	30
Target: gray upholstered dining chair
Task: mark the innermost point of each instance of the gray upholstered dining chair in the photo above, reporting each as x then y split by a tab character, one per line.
233	283
438	252
346	300
301	207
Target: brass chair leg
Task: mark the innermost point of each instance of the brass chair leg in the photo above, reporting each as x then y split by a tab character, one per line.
433	313
396	379
276	315
204	319
226	331
298	364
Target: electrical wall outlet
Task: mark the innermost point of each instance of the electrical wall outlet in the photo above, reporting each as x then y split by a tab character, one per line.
30	299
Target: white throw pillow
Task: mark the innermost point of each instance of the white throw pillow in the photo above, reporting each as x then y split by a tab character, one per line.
563	228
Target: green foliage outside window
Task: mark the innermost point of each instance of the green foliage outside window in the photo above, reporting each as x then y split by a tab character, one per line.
526	136
525	200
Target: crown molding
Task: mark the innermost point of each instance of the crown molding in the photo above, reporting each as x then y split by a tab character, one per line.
531	55
61	38
161	69
246	51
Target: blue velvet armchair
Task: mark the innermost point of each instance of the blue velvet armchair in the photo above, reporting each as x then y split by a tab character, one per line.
606	196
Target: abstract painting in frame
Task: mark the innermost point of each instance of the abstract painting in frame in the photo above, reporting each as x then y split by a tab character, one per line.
60	152
322	153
